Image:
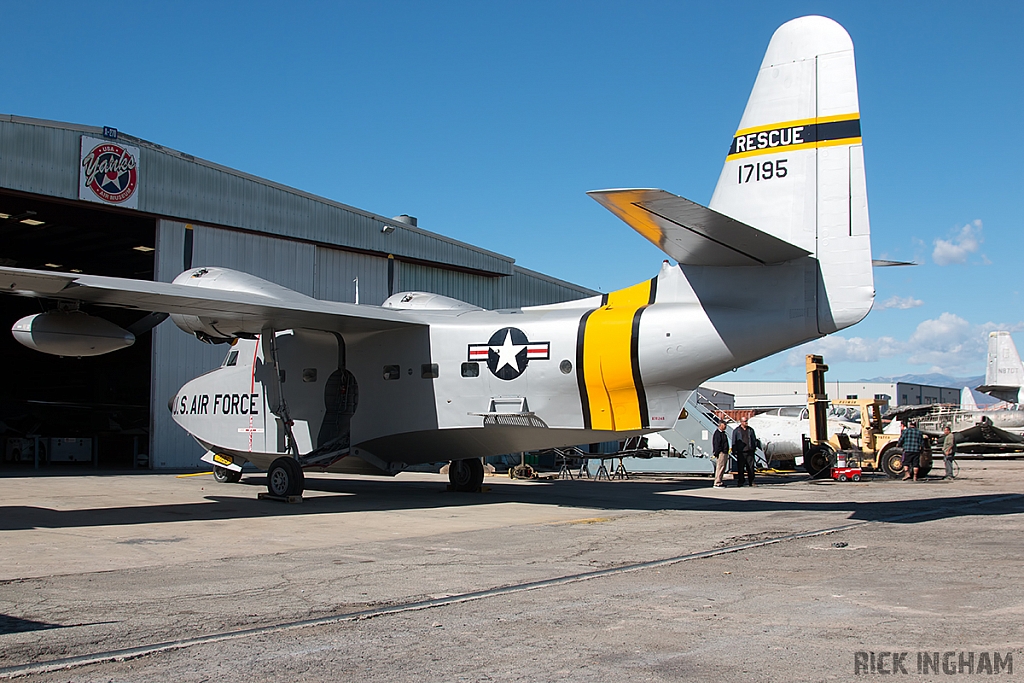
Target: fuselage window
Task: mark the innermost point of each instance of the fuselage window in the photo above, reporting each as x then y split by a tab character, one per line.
470	369
231	359
428	371
392	372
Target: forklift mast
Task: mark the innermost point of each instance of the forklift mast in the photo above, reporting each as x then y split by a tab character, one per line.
817	399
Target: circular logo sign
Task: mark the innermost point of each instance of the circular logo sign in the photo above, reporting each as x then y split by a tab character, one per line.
111	172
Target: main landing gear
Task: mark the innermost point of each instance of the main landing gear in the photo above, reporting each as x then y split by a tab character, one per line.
284	478
466	475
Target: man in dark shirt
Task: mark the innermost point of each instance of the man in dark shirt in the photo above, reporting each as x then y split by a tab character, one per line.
912	443
720	447
744	441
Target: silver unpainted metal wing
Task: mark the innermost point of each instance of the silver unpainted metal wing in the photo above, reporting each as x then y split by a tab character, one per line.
693	234
247	311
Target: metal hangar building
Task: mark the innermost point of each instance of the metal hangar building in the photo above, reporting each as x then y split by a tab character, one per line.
94	200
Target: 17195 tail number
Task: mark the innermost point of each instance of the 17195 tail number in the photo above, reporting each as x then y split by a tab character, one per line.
764	170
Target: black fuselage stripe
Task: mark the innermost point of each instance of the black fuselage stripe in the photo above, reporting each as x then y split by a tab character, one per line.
581	381
634	359
786	136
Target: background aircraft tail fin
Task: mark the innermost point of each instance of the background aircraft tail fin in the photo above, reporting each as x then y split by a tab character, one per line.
1004	373
967	400
795	169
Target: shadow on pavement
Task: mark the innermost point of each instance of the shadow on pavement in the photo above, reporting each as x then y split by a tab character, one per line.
351	495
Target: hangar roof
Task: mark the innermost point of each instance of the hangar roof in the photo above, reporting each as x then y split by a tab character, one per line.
42	157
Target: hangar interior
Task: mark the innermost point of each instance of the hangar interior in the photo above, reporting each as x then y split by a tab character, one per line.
110	411
104	398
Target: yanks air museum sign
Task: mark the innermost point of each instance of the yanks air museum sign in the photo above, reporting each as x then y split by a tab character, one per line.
109	172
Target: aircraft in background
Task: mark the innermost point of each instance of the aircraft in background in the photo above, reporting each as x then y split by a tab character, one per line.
1004	374
781	431
781	256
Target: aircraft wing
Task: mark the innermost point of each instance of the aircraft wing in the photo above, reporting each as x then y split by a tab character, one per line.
693	234
250	312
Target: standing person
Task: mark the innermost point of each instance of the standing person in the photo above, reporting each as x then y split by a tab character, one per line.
720	447
911	441
743	443
948	451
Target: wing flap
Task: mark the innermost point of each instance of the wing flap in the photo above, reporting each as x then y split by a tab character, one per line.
250	312
693	234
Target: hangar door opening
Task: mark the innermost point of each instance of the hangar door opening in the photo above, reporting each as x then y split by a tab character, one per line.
74	413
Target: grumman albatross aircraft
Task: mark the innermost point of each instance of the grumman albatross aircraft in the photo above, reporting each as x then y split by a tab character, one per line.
782	256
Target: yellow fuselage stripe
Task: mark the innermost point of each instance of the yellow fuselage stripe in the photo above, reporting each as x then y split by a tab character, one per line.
613	396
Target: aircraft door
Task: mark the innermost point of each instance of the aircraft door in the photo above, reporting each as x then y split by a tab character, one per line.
341	396
309	389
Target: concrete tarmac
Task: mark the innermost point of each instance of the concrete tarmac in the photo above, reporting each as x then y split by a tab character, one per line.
164	578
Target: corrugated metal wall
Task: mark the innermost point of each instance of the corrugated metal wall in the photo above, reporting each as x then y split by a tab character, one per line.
40	160
335	270
474	289
529	288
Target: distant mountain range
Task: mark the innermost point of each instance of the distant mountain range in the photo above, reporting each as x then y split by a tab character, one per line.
934	379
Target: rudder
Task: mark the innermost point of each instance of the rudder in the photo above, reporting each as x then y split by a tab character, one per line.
795	168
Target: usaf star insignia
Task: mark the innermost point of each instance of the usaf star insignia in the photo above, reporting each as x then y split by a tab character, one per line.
508	352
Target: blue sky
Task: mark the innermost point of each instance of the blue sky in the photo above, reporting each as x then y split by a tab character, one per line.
490	120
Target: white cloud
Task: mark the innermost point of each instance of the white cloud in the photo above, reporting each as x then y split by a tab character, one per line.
900	302
838	349
947	344
961	244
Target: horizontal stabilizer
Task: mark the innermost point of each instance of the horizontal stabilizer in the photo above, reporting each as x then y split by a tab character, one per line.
883	263
693	234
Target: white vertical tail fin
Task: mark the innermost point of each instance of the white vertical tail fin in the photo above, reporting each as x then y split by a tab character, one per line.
967	401
795	169
1004	374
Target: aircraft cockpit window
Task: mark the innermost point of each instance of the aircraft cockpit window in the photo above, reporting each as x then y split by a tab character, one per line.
470	369
232	358
428	371
392	372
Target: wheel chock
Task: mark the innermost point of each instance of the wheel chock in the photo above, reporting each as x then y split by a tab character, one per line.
279	499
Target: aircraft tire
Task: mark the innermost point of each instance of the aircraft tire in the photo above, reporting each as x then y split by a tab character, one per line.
892	462
225	476
926	464
284	478
466	475
818	461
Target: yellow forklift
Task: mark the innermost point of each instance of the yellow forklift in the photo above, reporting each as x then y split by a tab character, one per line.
873	450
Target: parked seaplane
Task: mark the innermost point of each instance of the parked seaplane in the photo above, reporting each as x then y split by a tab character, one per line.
781	256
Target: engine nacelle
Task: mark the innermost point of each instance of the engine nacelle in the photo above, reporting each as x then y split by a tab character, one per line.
70	333
216	331
426	301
